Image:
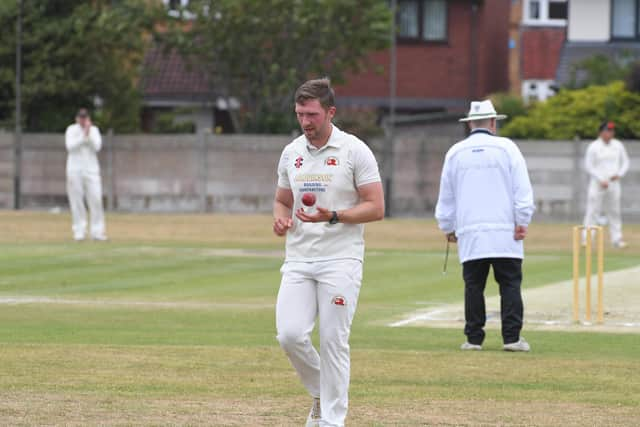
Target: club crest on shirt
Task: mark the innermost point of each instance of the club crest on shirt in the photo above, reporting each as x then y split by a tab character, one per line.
339	300
332	161
298	162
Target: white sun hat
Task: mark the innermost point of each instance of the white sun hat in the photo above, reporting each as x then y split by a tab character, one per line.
481	110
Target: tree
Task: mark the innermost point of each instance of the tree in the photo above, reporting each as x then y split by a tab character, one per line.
633	78
76	54
260	51
599	69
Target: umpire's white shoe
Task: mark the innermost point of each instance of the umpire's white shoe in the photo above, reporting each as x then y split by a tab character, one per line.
314	418
472	347
520	345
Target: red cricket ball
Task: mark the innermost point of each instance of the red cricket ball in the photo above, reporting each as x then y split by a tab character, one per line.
308	199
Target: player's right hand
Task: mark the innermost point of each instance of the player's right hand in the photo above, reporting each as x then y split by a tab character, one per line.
87	126
604	185
282	225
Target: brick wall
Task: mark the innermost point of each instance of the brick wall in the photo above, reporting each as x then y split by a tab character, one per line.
493	59
540	52
442	71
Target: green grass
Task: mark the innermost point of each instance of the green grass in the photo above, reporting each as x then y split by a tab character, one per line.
209	355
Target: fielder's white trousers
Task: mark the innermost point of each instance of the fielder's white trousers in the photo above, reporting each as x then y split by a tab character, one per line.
81	186
607	202
329	291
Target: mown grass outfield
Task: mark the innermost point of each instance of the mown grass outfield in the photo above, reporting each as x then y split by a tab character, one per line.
172	323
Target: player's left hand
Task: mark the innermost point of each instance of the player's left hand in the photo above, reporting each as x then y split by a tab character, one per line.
520	232
614	178
321	215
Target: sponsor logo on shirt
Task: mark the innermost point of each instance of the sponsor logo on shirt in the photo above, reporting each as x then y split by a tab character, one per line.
332	161
339	300
319	177
298	162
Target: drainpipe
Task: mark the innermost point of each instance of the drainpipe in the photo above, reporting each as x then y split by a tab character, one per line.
473	52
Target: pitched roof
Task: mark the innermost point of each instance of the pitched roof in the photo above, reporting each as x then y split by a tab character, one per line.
168	77
574	52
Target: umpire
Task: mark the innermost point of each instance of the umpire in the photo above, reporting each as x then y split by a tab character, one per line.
486	204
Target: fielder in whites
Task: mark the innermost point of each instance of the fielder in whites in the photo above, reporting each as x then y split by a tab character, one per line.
485	205
606	162
83	142
322	272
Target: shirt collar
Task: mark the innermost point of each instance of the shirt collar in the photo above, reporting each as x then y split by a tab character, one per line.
335	140
481	130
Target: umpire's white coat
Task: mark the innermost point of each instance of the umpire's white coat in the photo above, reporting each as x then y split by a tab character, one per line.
484	193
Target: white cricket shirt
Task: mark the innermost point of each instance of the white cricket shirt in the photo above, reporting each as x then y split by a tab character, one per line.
333	173
485	192
603	161
82	149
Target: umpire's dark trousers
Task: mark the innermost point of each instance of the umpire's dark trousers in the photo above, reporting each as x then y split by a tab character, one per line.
508	274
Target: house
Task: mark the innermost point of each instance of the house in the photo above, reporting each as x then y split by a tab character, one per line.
174	91
600	27
178	96
448	53
536	36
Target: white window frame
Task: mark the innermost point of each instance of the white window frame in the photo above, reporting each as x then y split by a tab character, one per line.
542	92
544	15
179	13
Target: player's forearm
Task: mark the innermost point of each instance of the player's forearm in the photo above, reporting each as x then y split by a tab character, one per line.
280	210
95	141
366	211
72	142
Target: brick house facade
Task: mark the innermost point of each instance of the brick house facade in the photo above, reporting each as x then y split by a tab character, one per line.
469	59
537	34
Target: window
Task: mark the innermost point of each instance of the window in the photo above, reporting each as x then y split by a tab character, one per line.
624	19
177	8
558	10
545	12
424	20
537	90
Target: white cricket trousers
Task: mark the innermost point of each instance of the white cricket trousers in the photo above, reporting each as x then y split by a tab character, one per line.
607	202
329	291
81	185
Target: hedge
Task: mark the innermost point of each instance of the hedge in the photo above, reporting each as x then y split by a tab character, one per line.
578	113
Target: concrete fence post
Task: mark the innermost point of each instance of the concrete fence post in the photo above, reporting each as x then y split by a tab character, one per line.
576	186
202	168
110	174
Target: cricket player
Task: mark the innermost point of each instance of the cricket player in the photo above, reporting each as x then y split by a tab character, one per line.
322	271
606	161
486	204
83	142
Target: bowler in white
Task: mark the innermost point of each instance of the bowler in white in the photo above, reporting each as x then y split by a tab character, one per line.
322	272
606	162
486	205
83	142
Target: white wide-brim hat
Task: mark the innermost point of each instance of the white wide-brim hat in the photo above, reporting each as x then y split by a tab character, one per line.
481	110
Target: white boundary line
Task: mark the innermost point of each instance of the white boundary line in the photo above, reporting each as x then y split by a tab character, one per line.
21	300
